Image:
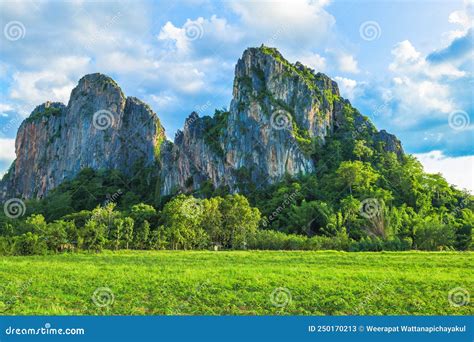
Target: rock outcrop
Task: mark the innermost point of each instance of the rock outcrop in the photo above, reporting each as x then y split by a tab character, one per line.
99	128
279	113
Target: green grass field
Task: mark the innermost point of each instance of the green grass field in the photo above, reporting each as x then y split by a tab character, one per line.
241	283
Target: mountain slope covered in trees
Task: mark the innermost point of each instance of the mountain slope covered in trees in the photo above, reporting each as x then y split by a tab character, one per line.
290	165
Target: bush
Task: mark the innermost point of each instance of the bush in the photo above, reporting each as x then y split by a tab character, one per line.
434	235
274	240
339	242
5	245
28	244
269	239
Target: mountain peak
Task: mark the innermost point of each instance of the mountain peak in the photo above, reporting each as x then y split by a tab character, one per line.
45	110
95	85
279	117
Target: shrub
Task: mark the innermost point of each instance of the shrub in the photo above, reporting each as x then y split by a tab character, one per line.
28	244
433	235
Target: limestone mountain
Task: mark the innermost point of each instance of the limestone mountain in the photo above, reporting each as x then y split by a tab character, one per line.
279	114
279	118
100	128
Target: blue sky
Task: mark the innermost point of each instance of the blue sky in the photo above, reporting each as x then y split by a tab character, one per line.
407	65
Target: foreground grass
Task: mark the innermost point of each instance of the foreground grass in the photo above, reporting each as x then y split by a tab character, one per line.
253	282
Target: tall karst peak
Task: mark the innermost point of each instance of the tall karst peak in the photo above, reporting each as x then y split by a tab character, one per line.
280	116
100	129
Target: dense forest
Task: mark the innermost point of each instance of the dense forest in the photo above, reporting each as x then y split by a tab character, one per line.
361	198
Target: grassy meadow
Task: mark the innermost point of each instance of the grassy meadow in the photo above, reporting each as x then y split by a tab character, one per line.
236	283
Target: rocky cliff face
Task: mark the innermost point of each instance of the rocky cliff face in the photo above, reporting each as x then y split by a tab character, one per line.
279	113
99	128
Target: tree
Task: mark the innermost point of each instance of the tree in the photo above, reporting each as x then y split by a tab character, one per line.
28	244
93	236
55	235
80	218
141	212
310	218
158	238
116	233
143	215
240	221
378	222
142	236
361	151
350	209
357	176
36	224
128	224
105	216
432	234
182	218
212	221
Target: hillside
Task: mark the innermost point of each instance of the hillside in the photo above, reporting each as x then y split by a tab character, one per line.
289	155
280	113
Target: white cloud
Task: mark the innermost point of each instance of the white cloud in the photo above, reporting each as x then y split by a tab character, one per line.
4	107
305	19
347	86
189	37
463	18
163	100
422	96
457	170
313	60
407	61
54	83
348	63
7	152
420	87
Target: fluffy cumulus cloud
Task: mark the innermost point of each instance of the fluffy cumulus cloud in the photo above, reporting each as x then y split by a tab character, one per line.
421	85
7	154
215	33
282	21
56	50
53	83
456	170
347	87
313	60
428	99
347	63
